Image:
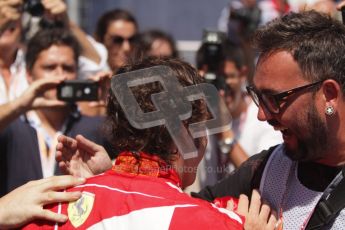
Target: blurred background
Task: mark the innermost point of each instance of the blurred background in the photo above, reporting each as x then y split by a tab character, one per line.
185	20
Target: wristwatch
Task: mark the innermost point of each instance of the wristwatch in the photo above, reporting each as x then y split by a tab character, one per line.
226	145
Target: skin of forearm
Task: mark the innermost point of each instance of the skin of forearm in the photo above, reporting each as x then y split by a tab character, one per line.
10	111
88	50
237	155
4	217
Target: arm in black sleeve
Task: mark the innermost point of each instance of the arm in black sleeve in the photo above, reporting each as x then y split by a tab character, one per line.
242	181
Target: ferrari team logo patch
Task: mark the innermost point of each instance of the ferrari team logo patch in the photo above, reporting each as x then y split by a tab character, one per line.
79	210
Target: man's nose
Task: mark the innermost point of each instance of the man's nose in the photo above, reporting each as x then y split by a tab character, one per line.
263	113
126	46
60	71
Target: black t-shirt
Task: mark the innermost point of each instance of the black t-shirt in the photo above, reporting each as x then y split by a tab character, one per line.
248	176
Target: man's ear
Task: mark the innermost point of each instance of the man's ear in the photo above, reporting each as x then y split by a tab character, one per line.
332	93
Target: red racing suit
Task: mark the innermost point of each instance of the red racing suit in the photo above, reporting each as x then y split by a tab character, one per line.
139	194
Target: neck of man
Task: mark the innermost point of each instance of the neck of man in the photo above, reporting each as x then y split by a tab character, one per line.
53	119
178	165
334	160
334	152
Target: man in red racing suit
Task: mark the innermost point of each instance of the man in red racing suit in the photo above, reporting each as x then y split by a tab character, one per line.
139	193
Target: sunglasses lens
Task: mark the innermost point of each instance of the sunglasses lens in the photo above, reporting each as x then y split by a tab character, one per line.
132	39
270	104
118	40
264	100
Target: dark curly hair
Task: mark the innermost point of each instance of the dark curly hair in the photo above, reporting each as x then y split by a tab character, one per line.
155	140
315	40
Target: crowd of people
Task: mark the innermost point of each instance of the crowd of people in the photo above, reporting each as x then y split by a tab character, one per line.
278	166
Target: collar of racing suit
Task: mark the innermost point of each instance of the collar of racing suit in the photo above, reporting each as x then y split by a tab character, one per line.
144	164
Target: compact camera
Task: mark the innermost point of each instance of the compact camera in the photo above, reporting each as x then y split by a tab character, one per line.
78	90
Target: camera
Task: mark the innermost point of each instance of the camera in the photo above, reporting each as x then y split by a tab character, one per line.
249	17
77	90
34	7
211	55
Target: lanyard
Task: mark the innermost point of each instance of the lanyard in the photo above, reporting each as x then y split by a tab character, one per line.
47	142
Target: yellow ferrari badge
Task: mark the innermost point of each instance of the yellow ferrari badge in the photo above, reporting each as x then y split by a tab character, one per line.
79	211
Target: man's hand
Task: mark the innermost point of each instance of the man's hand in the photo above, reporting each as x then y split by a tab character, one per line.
25	203
32	97
97	108
55	9
81	157
340	5
103	78
259	215
9	12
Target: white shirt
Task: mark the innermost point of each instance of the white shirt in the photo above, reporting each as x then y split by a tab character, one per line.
18	81
87	67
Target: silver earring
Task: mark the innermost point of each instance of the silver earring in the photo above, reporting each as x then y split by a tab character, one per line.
329	110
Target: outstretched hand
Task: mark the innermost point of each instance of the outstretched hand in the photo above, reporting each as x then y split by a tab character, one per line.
258	214
81	157
25	203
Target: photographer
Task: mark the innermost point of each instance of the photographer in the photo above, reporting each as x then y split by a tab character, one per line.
13	80
52	13
28	143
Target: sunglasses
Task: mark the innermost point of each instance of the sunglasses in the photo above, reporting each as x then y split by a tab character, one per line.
273	102
119	40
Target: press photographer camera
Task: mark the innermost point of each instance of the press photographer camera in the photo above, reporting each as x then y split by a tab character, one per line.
210	58
40	16
249	17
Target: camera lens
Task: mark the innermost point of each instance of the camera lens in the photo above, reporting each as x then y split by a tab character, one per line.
87	90
67	92
79	93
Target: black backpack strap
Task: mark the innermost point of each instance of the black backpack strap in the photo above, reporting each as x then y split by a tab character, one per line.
328	207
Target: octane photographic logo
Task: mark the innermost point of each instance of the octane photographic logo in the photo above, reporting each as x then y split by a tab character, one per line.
172	106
